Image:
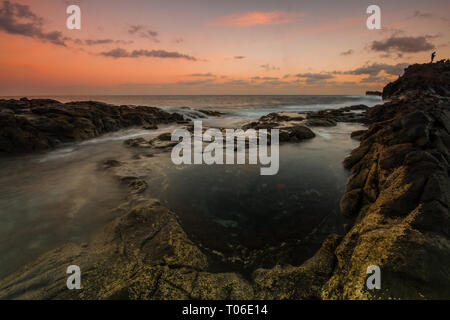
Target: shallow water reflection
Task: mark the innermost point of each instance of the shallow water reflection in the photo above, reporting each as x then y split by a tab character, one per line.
240	216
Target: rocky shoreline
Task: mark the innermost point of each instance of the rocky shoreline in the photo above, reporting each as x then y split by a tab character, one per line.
398	194
42	124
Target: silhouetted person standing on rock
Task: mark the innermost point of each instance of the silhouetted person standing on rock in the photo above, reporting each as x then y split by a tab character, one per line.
432	56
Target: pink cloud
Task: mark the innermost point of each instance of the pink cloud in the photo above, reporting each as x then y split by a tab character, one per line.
257	18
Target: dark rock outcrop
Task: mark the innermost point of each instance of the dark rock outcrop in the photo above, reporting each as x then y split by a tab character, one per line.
161	142
295	133
275	120
289	125
399	194
41	124
279	117
432	78
358	134
320	122
329	117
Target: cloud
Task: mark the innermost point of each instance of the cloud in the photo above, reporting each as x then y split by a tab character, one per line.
275	82
122	53
374	69
397	55
208	74
347	53
375	79
18	19
269	67
178	40
264	78
135	29
143	32
419	14
313	78
90	42
238	57
196	82
237	83
427	15
257	18
95	42
403	44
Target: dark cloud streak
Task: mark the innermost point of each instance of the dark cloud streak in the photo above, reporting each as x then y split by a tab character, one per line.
90	42
143	32
347	53
208	74
374	69
18	19
122	53
269	67
403	44
313	78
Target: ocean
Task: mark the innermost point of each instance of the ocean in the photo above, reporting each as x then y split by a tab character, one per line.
248	106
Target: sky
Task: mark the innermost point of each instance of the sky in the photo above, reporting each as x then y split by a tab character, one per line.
214	47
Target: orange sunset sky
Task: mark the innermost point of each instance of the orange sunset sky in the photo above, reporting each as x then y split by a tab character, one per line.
214	47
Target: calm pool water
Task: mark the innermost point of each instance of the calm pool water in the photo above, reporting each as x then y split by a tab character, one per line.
247	220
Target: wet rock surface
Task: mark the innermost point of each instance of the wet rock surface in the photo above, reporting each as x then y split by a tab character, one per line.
329	117
143	255
302	282
358	134
295	133
290	126
322	118
320	122
41	124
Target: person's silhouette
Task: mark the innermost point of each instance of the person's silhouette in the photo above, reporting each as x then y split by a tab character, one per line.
432	56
